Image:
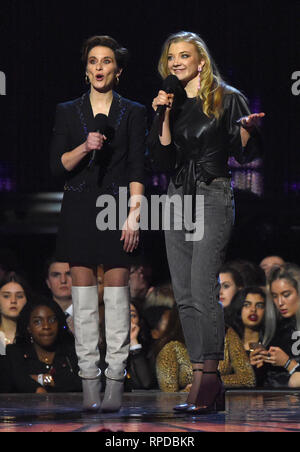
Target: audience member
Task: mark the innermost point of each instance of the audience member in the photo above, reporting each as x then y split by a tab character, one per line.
283	355
157	319
43	358
230	282
252	317
160	296
250	272
139	374
270	262
59	282
14	293
173	367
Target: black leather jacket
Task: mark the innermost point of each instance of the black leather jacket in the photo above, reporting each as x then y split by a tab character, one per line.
201	146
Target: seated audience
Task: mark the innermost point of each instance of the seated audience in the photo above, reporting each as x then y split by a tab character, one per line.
230	282
14	292
269	262
252	317
59	282
43	358
283	355
157	319
173	367
139	375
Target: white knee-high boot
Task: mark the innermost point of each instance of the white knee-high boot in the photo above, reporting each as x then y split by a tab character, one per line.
117	330
86	326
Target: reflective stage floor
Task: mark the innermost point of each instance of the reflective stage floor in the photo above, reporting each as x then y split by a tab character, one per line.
246	411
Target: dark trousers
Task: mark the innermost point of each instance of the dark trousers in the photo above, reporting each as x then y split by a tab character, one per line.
194	267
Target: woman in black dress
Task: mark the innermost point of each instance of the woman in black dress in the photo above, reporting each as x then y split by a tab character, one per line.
194	141
91	180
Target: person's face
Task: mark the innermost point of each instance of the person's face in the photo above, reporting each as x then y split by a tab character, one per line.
253	310
102	68
184	61
12	300
59	281
43	326
228	288
271	262
285	297
134	317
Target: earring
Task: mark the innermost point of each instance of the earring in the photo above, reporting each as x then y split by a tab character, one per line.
199	77
117	80
87	80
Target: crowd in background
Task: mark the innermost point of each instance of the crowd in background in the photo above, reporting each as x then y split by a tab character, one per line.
261	304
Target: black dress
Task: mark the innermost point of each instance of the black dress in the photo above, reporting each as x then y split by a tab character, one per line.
121	161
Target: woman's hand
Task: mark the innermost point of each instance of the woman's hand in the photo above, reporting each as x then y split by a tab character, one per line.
163	98
134	332
252	121
276	357
94	141
130	234
257	357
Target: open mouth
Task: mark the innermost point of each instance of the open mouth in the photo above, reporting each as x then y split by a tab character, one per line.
99	78
253	318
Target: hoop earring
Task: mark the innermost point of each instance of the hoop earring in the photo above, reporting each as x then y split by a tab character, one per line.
87	80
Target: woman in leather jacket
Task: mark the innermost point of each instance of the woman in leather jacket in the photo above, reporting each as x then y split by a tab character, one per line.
193	138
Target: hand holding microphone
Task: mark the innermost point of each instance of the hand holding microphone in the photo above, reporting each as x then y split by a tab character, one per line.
96	139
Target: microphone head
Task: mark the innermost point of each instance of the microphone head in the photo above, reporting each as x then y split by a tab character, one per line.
100	123
171	84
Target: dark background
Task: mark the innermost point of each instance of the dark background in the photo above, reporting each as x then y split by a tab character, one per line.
256	46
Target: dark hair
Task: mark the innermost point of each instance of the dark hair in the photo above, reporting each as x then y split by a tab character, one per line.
173	331
22	334
144	336
121	54
251	273
13	277
233	313
153	315
237	278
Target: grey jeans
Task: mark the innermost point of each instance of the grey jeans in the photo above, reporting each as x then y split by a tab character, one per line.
194	268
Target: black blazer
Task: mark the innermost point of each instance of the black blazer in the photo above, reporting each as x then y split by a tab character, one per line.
121	160
22	361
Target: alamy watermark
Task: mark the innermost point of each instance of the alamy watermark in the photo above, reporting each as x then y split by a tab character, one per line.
162	213
296	84
2	84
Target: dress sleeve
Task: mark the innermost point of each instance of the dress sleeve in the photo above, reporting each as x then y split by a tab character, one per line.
242	373
236	107
59	142
167	369
137	144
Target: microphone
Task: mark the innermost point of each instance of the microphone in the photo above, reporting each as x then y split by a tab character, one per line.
170	86
100	125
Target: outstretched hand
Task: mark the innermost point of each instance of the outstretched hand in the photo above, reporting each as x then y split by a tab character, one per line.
251	121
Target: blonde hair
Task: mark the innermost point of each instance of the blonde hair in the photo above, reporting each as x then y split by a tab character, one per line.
291	273
212	85
161	296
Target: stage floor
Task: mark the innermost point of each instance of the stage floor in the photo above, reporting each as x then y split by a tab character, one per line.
246	411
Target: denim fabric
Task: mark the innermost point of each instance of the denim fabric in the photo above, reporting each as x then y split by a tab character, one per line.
194	268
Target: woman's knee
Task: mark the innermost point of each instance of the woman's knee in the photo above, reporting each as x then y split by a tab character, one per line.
83	276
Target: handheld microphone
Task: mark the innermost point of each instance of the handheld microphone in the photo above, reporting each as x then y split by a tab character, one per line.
100	125
170	86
